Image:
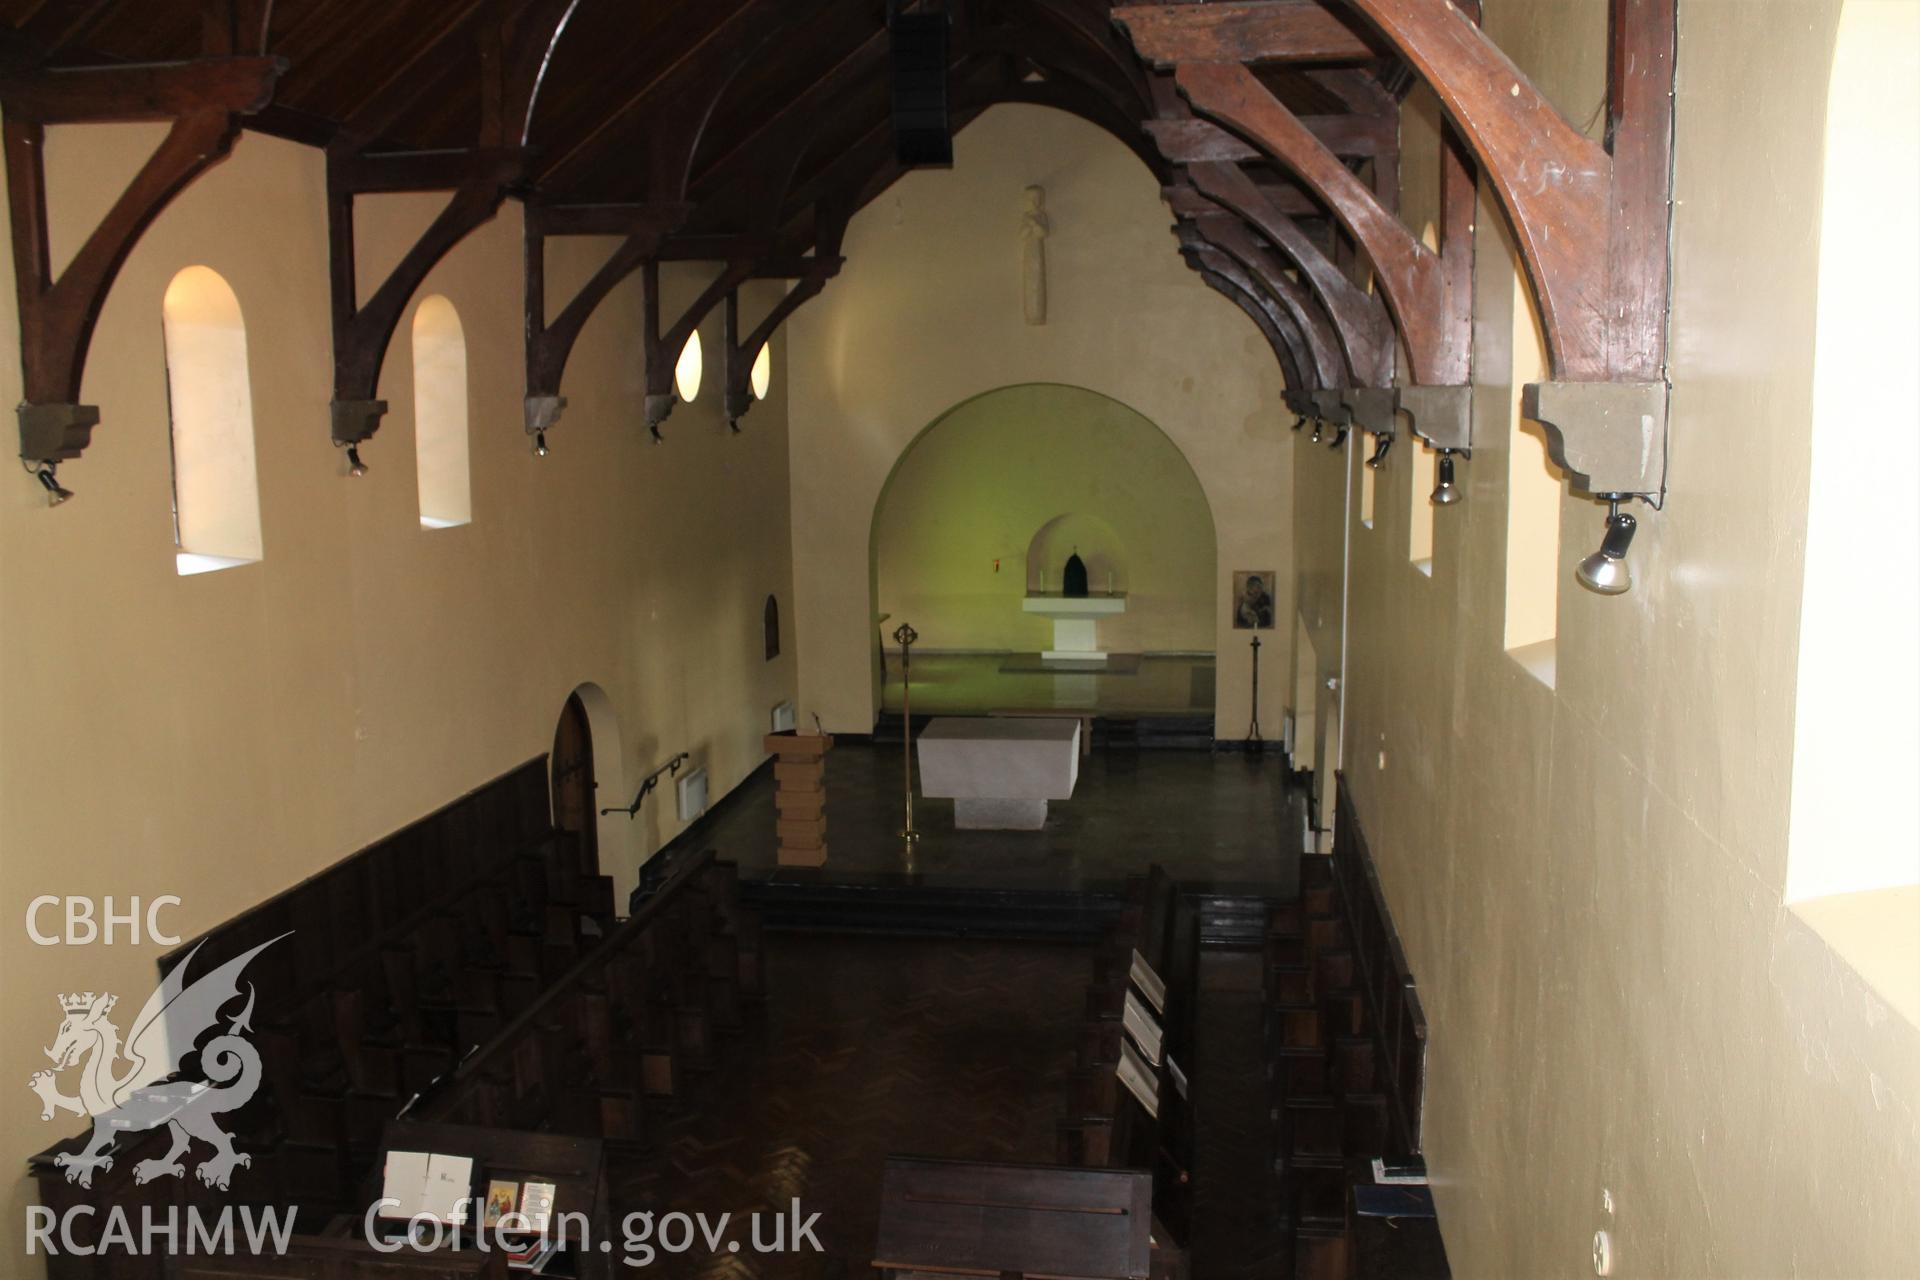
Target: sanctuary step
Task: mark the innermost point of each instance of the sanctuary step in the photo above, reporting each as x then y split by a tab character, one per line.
812	904
1110	732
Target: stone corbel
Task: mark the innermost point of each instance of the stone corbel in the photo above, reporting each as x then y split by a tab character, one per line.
1442	416
1370	409
1609	437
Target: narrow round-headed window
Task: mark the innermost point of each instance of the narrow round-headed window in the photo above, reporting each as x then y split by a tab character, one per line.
687	371
216	489
760	377
440	414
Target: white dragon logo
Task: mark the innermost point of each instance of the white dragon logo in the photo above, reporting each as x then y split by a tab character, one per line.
144	1096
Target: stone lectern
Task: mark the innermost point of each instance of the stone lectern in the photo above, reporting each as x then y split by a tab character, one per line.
800	796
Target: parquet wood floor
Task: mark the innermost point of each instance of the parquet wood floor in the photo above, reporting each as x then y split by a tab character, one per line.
864	1048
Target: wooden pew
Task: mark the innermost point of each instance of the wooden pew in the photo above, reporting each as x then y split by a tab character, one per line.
627	1020
324	1258
1106	1126
950	1217
1346	1042
384	970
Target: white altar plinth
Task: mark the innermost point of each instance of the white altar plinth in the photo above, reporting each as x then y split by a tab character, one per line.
1075	623
999	773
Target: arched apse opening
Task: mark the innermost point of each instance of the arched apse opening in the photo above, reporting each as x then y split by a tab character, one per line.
986	503
216	488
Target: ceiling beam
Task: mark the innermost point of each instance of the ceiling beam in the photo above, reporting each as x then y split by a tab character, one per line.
1246	31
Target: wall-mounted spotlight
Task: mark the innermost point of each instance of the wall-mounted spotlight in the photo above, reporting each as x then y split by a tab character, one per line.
1606	570
1382	443
1317	424
1339	436
539	444
355	467
1299	421
1445	491
56	493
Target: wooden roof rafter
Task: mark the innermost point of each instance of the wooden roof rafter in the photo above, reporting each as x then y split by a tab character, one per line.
1591	219
203	100
510	43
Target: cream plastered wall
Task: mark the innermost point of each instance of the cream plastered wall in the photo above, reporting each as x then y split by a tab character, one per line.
975	490
1590	879
927	314
221	737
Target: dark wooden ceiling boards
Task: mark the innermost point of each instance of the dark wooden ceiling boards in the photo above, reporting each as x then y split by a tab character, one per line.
747	132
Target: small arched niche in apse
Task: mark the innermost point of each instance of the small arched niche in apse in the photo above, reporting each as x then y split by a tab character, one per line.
216	488
770	622
1096	542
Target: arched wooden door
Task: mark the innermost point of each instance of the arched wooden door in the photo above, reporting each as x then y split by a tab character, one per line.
574	806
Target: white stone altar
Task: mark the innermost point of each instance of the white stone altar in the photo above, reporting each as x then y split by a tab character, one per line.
1075	623
999	773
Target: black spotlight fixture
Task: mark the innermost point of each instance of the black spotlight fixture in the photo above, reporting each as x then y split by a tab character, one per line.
56	493
1606	570
355	467
539	444
1299	421
1445	492
1381	444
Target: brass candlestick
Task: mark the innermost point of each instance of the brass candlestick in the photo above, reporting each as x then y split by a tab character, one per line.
906	635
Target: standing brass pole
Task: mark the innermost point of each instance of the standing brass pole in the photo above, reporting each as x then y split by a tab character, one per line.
906	635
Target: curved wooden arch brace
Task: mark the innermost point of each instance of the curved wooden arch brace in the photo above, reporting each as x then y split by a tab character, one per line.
1359	320
1240	297
548	345
1202	256
1409	274
742	352
205	99
1324	365
662	349
511	73
1591	221
830	231
679	101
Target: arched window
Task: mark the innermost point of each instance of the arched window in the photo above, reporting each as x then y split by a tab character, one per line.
770	619
440	414
760	377
689	367
216	490
1534	489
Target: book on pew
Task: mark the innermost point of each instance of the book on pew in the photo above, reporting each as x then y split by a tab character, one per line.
1140	1024
1410	1171
423	1183
1139	1078
1370	1201
1148	982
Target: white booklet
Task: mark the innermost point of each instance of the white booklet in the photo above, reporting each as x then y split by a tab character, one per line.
1139	1078
1148	982
1140	1024
419	1182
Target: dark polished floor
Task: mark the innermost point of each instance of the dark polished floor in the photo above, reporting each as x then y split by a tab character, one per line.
1222	821
865	1048
874	1047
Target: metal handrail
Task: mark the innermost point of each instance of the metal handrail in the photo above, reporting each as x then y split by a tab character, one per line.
647	784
